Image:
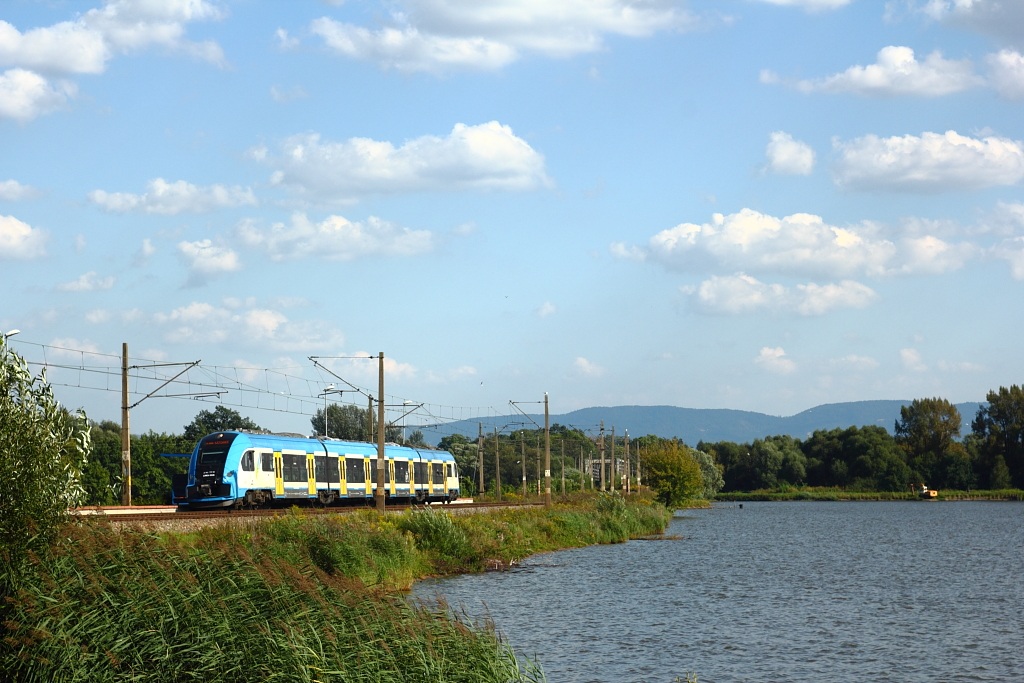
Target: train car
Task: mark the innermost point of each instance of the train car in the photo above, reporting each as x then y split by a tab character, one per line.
244	469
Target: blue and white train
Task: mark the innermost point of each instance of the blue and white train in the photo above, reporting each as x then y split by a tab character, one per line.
243	469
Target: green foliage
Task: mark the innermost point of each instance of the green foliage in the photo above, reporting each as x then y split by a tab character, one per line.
234	605
672	472
220	419
151	473
999	433
297	598
711	474
43	452
927	431
436	533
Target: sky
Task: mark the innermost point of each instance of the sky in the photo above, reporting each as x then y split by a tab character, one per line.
761	205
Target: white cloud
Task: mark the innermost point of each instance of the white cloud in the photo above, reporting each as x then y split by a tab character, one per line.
438	35
25	95
19	240
627	252
775	360
85	45
929	254
334	238
587	368
206	260
1012	251
1006	73
12	191
741	293
546	309
810	5
285	95
173	198
856	362
789	156
251	326
483	157
1000	18
88	282
70	47
898	72
931	162
755	242
97	316
911	359
407	49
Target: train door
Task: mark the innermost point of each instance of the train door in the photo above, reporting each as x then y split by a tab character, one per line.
278	473
310	474
296	474
264	476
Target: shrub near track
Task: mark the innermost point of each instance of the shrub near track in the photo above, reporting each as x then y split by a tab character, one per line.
297	598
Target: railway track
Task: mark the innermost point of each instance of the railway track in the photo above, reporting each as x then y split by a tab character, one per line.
164	514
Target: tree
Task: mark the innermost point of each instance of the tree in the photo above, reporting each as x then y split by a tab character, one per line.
43	451
711	474
672	472
220	419
927	430
999	430
351	423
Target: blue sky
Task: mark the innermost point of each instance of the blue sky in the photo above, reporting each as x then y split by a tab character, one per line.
754	204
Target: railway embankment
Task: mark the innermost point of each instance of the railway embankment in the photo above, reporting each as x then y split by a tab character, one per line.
295	598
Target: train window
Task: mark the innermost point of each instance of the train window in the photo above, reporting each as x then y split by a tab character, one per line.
295	467
438	472
327	469
354	472
401	472
420	470
248	462
267	462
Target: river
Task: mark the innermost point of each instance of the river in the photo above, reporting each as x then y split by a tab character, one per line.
866	591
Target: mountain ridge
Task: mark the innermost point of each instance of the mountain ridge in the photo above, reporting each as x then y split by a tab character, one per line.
693	425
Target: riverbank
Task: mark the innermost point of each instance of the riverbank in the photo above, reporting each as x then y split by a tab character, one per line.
298	598
831	495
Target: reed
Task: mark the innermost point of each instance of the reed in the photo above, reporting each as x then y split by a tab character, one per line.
298	598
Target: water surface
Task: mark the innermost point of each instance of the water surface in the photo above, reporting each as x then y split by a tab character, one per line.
875	591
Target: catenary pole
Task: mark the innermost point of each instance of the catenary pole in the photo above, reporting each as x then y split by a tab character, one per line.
547	455
480	454
126	439
380	435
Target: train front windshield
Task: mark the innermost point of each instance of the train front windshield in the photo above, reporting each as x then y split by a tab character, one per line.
213	452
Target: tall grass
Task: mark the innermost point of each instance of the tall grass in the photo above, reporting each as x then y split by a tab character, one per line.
299	598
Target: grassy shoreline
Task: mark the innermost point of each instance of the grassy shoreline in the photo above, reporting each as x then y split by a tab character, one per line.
841	495
297	598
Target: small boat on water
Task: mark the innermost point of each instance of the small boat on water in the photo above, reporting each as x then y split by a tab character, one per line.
925	493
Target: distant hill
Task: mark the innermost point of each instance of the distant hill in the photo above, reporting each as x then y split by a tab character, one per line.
703	424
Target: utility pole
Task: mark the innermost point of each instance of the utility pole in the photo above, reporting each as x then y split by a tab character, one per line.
601	447
480	454
380	436
126	439
547	455
497	467
522	458
625	479
611	465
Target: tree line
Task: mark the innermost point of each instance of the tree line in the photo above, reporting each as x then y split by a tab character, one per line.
925	447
